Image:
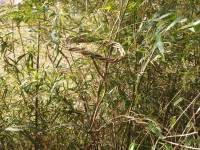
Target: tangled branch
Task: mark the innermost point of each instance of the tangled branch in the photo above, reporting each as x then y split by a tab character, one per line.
116	46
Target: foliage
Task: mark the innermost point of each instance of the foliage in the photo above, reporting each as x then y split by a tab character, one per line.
52	98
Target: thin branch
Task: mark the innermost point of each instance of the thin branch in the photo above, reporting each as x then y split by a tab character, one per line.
182	146
180	135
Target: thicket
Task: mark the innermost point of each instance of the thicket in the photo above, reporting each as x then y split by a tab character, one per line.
58	89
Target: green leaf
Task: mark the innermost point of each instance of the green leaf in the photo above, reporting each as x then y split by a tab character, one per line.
159	44
162	17
154	128
132	6
173	23
178	101
192	24
172	121
12	129
192	29
108	7
132	146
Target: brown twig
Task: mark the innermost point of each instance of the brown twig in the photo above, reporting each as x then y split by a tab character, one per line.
93	55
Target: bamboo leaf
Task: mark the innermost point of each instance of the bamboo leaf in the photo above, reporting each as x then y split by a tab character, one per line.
173	24
132	146
162	17
13	129
192	24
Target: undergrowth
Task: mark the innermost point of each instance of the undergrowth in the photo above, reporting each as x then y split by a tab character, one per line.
59	91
